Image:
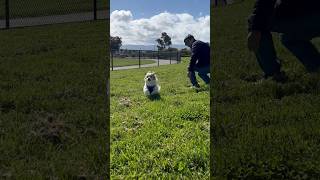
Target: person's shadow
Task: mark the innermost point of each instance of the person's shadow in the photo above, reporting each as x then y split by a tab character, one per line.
155	97
202	89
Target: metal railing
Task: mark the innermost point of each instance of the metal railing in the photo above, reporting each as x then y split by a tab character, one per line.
225	2
20	13
135	58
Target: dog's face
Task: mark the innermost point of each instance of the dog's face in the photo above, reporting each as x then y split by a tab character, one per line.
150	78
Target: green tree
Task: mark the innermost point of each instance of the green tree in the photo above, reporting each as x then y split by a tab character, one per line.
166	39
115	43
172	49
185	52
161	44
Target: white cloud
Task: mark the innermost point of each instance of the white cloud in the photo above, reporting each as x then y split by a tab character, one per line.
145	31
121	15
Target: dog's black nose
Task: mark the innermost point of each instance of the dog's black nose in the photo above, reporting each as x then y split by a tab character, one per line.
148	79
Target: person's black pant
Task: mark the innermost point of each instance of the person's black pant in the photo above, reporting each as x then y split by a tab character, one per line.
295	35
203	74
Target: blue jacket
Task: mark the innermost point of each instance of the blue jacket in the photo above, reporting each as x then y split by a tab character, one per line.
266	11
200	55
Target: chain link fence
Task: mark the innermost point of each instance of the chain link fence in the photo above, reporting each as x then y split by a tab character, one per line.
143	58
2	13
19	13
225	2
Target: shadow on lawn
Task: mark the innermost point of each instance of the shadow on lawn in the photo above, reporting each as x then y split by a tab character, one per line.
155	97
202	89
306	83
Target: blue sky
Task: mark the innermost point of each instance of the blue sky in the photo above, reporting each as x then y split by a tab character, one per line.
148	8
140	22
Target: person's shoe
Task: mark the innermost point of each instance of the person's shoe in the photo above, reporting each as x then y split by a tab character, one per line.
196	87
279	77
314	70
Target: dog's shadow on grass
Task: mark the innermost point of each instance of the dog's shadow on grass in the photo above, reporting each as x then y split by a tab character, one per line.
155	97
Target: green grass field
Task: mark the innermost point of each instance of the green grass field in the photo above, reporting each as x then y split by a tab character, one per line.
166	137
53	108
119	62
260	130
43	8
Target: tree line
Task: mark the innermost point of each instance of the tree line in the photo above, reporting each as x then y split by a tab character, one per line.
163	44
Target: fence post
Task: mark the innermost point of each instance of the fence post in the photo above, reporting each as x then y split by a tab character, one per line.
170	57
94	9
7	14
111	61
158	57
177	56
139	59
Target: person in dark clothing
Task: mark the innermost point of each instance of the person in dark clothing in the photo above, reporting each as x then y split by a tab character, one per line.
200	60
297	22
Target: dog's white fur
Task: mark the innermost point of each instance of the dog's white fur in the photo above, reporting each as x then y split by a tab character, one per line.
151	80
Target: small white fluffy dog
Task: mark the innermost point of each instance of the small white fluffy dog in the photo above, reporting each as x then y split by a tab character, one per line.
151	86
